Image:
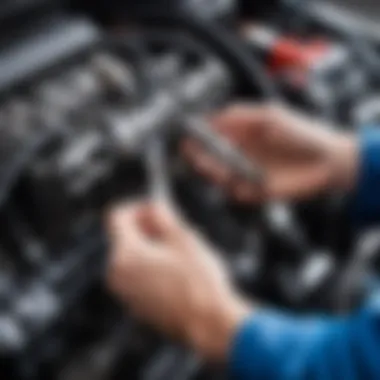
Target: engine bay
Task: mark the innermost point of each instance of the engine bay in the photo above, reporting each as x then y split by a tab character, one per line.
95	99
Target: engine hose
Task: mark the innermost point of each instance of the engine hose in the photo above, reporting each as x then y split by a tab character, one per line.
224	44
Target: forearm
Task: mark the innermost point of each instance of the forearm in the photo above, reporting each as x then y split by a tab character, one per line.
354	162
366	194
343	153
272	345
257	343
212	330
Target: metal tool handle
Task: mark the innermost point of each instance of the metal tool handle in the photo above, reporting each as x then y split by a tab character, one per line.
198	128
157	168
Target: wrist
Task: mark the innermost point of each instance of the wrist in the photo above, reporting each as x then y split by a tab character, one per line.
215	328
344	162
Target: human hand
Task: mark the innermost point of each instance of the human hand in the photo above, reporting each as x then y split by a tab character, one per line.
170	278
299	157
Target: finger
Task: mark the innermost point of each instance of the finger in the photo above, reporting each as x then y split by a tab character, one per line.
241	122
190	149
205	163
247	193
123	226
299	183
115	272
127	263
209	166
162	222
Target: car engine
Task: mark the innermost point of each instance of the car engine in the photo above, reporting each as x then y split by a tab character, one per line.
95	98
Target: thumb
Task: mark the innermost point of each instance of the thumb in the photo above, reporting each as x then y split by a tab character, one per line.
242	121
160	221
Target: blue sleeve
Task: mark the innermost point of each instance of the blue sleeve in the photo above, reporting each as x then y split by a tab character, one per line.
366	197
275	346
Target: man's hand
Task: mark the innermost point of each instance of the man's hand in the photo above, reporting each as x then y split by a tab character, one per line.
172	279
299	157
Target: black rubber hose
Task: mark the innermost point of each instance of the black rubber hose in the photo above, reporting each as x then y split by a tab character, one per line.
230	48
